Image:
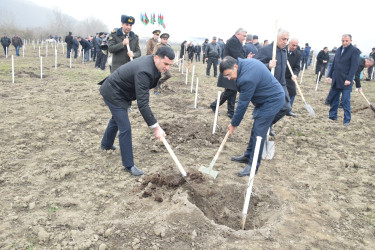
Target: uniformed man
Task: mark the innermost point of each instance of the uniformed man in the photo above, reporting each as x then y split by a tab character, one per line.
152	42
118	41
167	74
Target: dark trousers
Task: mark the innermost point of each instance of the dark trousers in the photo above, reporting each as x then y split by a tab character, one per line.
198	57
211	61
285	109
94	55
322	70
100	60
75	52
260	128
369	72
228	95
68	50
5	49
304	62
334	94
204	58
119	122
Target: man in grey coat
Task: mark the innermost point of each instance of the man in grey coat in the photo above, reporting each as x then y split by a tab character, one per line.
212	56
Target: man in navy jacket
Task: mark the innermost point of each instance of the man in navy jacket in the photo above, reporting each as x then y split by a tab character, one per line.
255	83
341	75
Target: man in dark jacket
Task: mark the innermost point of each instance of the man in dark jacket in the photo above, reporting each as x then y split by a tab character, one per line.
133	81
5	42
86	47
305	55
75	46
321	62
265	56
212	56
204	46
119	40
255	84
249	47
341	75
256	42
198	50
101	57
294	58
17	43
234	49
69	44
370	70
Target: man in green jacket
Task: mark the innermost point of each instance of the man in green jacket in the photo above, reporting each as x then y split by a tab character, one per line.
118	43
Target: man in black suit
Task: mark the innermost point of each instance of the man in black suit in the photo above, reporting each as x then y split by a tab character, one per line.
234	49
132	81
294	58
341	75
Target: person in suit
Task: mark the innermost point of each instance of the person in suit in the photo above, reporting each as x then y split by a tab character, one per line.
265	56
132	81
341	78
321	62
294	58
234	49
256	84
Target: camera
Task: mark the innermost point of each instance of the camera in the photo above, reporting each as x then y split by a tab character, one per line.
104	45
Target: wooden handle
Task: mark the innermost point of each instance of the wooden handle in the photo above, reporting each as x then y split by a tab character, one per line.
299	90
274	47
128	47
218	152
365	98
166	144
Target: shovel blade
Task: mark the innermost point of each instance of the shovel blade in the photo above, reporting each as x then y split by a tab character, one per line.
310	109
268	150
211	172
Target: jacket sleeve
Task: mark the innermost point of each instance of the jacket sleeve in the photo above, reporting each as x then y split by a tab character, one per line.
142	92
262	56
246	93
296	67
357	78
354	62
319	58
114	47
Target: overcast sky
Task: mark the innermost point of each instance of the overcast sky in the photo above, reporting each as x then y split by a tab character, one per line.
320	23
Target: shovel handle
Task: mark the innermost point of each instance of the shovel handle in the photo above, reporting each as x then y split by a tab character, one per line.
365	98
274	47
218	152
166	144
299	90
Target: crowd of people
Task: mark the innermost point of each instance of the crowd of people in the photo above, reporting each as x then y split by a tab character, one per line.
245	67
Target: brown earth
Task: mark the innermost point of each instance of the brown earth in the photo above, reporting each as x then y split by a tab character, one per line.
59	191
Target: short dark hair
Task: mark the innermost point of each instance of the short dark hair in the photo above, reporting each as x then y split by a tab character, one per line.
350	36
165	51
227	63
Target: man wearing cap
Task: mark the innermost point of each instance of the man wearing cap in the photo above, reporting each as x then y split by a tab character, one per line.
5	41
167	74
152	42
118	41
212	56
132	81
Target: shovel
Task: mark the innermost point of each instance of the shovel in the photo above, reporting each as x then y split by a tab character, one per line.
209	170
166	144
268	148
128	47
372	107
307	106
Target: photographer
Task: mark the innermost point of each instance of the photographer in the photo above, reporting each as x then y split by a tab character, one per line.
118	41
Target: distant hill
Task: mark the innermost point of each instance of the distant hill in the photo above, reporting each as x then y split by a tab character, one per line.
25	14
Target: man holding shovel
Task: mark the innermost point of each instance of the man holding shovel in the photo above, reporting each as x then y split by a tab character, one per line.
133	81
255	83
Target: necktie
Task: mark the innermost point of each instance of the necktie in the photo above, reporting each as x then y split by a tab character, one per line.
342	51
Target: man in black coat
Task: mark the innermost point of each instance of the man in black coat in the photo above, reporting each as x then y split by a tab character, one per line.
294	58
341	75
5	41
86	47
233	48
101	57
322	62
69	44
265	56
133	81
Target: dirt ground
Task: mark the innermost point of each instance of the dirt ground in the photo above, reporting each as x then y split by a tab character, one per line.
60	191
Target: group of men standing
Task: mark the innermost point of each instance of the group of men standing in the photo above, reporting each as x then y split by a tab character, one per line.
16	42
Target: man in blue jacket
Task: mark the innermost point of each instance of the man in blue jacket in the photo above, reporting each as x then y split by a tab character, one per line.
341	77
133	81
255	83
305	55
86	47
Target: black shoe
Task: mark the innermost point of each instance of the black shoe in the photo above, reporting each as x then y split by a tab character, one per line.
134	171
213	108
230	115
272	133
241	159
290	113
113	147
246	171
326	103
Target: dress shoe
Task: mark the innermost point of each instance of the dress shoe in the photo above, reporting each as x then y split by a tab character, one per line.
113	147
272	133
241	159
326	103
230	115
246	171
134	171
290	113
